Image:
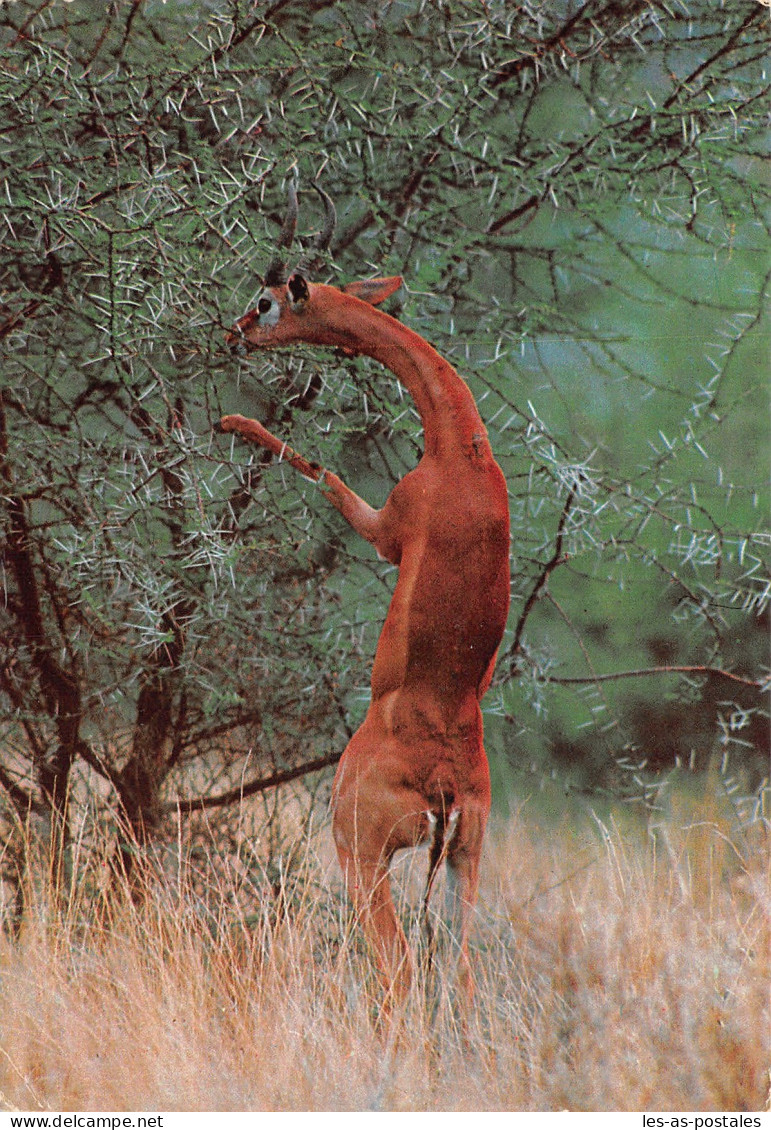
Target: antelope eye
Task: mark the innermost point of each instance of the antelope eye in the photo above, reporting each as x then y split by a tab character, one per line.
264	305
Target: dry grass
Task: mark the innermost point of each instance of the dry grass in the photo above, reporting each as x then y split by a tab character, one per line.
617	970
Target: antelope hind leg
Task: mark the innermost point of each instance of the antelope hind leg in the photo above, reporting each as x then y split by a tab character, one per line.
369	888
372	820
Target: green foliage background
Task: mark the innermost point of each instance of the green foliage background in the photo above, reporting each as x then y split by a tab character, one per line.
576	198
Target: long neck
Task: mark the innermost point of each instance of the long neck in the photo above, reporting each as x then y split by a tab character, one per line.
447	410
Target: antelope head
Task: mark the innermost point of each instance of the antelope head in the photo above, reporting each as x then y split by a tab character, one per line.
291	308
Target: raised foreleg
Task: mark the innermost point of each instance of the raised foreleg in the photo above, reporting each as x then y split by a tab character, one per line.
364	519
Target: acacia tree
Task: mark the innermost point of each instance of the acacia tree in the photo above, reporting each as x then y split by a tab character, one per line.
573	195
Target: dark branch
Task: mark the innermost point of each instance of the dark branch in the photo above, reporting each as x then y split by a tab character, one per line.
685	669
557	558
261	785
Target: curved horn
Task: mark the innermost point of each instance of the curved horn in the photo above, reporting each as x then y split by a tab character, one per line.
276	273
330	219
314	257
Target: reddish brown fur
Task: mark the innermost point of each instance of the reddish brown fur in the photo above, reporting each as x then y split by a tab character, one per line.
419	752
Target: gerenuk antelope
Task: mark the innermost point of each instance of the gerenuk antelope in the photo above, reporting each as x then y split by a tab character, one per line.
415	771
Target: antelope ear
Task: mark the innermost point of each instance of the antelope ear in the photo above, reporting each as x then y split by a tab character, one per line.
373	291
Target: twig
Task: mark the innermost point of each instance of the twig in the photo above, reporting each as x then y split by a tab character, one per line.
686	669
556	559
